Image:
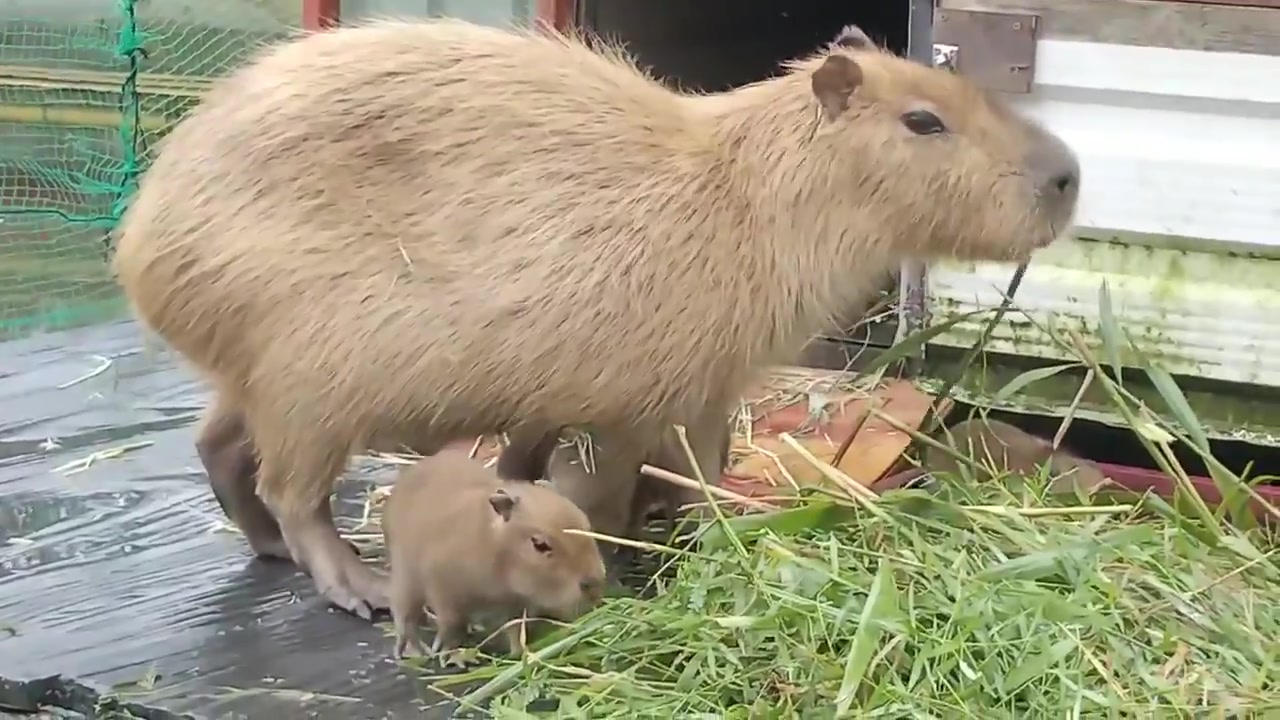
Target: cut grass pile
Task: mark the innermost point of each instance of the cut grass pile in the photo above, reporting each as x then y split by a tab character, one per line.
983	601
971	600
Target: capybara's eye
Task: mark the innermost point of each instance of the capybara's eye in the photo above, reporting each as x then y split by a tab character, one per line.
923	122
541	546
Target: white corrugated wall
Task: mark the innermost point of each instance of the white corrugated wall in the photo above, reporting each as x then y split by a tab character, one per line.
489	12
1180	210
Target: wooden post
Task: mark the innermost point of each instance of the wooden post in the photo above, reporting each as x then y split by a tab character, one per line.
320	14
913	306
556	14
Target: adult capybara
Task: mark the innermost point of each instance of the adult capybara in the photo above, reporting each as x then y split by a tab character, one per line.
473	547
1000	449
402	233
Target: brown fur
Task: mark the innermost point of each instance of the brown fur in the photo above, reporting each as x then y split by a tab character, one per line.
1001	449
464	542
351	238
595	483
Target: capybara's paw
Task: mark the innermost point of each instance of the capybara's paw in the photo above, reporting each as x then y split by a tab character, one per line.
407	647
270	549
356	589
458	658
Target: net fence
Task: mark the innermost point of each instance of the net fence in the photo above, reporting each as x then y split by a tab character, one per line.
86	89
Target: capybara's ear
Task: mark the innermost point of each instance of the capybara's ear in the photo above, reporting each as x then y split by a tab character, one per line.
852	37
503	503
834	82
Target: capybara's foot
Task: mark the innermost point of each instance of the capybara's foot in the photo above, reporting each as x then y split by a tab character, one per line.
354	586
409	646
337	571
451	628
268	548
458	657
514	633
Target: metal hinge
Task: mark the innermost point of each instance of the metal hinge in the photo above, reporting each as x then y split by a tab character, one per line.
997	50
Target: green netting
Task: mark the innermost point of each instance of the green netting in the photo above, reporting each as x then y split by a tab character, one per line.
86	88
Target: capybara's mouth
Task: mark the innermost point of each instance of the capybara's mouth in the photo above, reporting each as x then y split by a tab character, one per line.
1047	239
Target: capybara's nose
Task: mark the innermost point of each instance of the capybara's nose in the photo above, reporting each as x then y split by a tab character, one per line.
1056	171
1064	182
593	589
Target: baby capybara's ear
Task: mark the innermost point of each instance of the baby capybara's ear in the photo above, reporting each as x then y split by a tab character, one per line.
852	37
834	83
502	503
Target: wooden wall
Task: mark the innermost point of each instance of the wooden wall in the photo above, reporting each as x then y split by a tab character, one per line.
1152	23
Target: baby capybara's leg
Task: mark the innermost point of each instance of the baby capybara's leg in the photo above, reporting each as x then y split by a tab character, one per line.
229	459
526	455
296	486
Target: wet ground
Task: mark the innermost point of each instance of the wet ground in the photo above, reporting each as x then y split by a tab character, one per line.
119	571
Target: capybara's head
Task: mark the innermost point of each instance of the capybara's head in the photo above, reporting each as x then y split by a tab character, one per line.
550	570
965	174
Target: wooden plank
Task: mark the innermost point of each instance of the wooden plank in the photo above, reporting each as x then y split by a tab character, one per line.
764	460
1178	25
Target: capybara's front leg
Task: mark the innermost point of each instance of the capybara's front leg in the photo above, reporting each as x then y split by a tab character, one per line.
300	501
710	441
527	454
229	458
406	612
605	492
451	630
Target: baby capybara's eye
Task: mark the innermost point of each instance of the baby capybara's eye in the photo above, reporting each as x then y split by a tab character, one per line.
541	545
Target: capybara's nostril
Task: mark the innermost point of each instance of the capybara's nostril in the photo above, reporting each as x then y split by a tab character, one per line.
1065	182
593	589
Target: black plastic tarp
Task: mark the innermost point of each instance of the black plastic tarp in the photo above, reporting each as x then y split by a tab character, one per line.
119	572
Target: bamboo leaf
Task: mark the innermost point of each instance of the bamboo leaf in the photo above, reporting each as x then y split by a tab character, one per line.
1235	497
881	606
1031	376
1039	664
1109	329
915	341
1178	405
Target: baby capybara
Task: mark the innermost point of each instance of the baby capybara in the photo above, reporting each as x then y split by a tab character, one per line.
474	547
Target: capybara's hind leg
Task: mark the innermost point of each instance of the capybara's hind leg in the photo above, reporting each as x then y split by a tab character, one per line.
526	455
296	489
229	459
